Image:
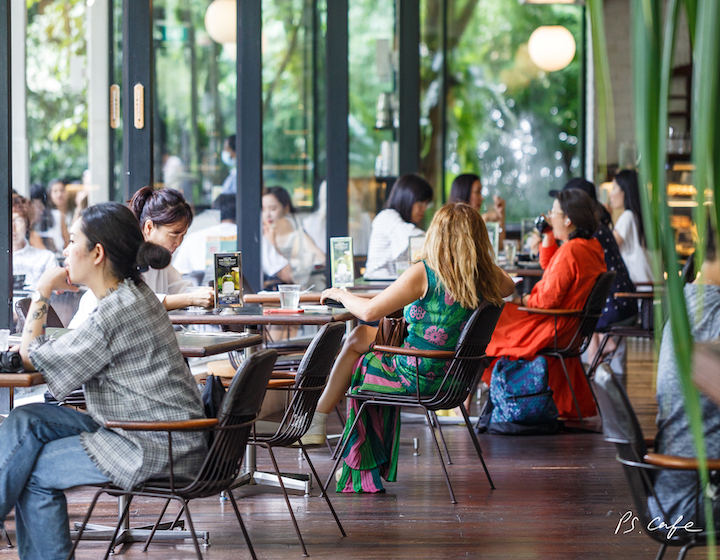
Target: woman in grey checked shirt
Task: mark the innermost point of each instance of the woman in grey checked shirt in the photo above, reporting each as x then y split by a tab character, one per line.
125	356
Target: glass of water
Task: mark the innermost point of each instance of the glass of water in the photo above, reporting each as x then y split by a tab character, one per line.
289	296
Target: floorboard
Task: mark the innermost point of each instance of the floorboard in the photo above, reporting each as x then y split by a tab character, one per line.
558	496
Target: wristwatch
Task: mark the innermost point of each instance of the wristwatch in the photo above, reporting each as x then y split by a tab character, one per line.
37	296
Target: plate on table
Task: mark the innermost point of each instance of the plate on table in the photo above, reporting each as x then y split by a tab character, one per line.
529	264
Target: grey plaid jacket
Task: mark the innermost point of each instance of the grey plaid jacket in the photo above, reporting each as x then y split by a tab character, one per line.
126	358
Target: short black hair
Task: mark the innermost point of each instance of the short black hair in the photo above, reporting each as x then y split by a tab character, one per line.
406	191
580	208
462	187
282	196
226	204
231	140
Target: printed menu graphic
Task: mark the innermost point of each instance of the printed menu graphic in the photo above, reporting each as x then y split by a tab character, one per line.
228	279
342	262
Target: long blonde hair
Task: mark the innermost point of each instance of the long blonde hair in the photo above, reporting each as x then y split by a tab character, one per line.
457	248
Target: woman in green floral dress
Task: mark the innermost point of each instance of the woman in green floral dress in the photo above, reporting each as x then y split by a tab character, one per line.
438	295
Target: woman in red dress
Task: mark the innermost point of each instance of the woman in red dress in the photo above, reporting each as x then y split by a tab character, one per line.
570	274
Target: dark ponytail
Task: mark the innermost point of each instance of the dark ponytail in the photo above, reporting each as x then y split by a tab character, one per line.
162	207
114	226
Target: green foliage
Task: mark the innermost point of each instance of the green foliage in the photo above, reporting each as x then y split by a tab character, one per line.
652	50
56	110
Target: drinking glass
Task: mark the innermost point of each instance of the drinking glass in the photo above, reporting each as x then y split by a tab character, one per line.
289	296
4	343
510	246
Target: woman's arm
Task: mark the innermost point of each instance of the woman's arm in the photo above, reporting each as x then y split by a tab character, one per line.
410	286
202	297
35	322
507	286
618	238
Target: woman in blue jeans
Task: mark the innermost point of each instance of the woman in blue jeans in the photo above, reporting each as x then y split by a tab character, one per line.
126	358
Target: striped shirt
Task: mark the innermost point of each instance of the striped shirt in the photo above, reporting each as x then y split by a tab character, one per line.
126	358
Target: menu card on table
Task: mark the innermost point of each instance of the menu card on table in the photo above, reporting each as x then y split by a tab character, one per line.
342	264
228	279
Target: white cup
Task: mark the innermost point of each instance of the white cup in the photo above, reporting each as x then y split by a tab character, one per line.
289	296
4	343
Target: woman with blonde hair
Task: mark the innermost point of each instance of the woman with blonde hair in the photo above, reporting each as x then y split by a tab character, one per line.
438	294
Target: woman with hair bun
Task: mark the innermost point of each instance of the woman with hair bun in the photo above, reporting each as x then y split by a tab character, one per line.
164	218
127	359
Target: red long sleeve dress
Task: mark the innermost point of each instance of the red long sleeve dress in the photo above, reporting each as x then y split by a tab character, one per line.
570	274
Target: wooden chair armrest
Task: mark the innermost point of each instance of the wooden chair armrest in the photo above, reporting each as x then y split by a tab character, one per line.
282	375
280	383
540	311
636	295
163	426
678	463
433	354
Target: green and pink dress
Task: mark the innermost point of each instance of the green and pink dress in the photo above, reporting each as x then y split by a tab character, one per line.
434	323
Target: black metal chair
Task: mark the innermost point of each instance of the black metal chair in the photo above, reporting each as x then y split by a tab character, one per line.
21	310
466	361
588	317
230	431
621	427
309	382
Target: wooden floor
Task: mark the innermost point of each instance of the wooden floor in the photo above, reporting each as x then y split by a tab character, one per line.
558	496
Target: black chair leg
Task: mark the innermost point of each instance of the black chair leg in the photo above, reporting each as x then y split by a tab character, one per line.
597	359
191	527
661	552
84	523
324	494
572	391
476	442
442	460
287	499
7	538
156	525
242	525
126	509
436	422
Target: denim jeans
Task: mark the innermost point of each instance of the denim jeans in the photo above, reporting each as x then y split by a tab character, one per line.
40	457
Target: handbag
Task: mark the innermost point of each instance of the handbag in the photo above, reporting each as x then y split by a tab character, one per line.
391	331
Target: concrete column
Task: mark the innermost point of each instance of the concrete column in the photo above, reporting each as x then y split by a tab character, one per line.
20	151
98	96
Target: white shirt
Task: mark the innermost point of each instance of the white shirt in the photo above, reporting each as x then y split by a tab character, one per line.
192	255
31	262
55	232
632	252
389	239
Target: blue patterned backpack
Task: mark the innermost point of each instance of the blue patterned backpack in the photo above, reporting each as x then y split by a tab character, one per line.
522	402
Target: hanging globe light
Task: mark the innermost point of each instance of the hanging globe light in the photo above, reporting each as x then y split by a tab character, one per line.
551	47
221	21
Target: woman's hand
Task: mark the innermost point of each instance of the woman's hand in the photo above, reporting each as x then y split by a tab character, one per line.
333	293
202	297
55	279
269	232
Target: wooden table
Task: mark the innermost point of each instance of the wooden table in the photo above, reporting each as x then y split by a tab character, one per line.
192	345
253	316
200	345
309	298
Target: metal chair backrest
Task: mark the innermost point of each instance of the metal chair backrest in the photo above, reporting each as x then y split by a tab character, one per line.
310	380
592	310
621	427
240	407
469	358
21	309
